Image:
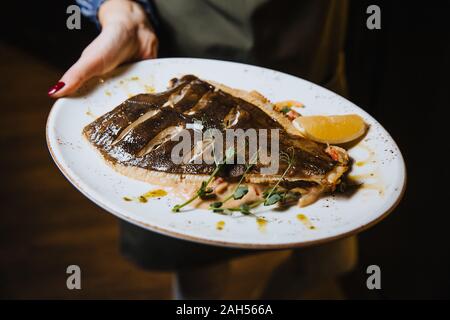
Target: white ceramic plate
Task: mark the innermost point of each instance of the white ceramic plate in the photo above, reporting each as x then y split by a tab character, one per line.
378	161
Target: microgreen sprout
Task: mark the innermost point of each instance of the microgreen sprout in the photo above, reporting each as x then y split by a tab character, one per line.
204	192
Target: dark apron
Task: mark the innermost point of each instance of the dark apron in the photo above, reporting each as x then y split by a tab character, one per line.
304	38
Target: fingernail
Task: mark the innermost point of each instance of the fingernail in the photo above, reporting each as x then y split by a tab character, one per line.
56	88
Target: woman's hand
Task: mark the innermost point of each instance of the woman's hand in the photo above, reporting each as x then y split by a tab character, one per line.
126	35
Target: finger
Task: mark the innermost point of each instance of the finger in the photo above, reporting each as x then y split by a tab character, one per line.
149	53
84	69
149	45
88	65
155	47
98	58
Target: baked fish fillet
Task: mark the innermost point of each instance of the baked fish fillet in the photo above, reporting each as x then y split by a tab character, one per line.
135	137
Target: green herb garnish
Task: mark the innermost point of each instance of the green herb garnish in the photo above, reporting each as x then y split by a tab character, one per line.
240	191
204	192
274	196
216	205
285	110
243	208
272	199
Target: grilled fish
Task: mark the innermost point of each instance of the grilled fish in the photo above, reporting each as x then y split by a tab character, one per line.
136	138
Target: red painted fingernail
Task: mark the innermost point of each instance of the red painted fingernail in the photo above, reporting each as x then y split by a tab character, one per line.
56	88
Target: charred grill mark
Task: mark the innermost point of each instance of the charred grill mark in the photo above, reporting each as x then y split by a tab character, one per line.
211	110
164	136
149	114
190	95
139	136
103	131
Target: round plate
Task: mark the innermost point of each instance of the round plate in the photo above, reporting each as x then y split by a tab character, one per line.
378	163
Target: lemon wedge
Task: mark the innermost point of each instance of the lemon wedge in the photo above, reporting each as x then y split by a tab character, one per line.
331	129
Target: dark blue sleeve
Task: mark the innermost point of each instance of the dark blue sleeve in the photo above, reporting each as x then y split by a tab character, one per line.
89	9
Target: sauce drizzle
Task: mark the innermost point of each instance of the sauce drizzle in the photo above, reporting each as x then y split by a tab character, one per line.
306	222
220	225
262	223
158	193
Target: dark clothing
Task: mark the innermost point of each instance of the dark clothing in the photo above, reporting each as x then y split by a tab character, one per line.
304	38
151	250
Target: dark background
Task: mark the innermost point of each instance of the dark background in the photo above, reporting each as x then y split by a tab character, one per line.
399	74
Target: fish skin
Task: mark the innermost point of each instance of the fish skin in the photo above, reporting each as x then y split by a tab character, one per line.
187	100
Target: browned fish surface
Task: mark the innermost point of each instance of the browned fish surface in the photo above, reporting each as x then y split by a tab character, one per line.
135	137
